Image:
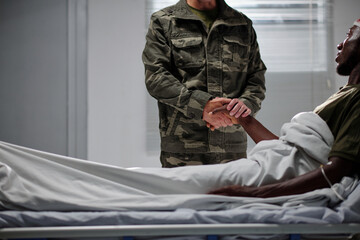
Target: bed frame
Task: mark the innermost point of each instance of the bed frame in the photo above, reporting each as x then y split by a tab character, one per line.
210	231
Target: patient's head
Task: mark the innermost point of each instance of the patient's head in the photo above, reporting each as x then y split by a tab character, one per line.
349	50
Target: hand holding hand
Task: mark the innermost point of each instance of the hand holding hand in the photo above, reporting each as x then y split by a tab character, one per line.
238	108
220	119
224	110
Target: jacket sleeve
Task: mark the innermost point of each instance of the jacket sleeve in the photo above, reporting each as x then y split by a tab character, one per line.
159	73
254	92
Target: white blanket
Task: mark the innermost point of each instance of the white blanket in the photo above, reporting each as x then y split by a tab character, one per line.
35	180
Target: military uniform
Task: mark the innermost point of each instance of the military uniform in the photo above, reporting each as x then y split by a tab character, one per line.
186	65
341	112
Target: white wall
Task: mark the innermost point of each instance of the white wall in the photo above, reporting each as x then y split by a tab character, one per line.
116	87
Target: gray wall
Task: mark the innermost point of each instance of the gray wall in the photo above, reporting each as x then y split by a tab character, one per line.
117	95
43	48
33	67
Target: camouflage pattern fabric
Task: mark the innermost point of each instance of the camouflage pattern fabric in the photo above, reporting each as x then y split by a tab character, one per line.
187	64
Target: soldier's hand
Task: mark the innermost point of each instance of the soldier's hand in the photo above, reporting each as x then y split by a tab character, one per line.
224	110
216	120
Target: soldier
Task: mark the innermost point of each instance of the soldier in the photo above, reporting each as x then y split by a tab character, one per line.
196	51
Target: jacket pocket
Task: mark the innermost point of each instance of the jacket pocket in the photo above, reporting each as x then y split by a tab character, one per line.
188	51
235	53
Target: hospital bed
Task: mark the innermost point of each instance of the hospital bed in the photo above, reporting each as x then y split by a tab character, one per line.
198	231
341	221
93	200
256	222
252	221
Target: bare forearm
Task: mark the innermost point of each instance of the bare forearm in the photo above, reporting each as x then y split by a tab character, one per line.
305	183
255	129
310	181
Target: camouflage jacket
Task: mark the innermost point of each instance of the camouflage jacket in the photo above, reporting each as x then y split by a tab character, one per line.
186	65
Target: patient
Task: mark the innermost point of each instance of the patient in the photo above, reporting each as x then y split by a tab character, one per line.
341	112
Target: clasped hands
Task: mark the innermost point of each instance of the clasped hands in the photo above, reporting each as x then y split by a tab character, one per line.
223	112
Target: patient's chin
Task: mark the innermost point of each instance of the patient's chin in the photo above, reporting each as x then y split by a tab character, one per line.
343	70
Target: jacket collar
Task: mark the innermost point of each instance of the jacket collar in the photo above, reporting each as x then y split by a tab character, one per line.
227	15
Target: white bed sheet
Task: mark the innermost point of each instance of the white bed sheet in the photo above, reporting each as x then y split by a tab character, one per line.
42	189
35	180
344	212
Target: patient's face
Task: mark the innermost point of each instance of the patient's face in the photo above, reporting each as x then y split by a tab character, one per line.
349	55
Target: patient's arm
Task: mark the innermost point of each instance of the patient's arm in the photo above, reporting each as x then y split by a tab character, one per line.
253	127
307	182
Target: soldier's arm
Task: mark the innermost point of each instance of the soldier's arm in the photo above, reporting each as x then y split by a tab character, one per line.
159	77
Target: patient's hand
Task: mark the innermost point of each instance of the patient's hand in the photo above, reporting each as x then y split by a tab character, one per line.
224	110
234	109
237	108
